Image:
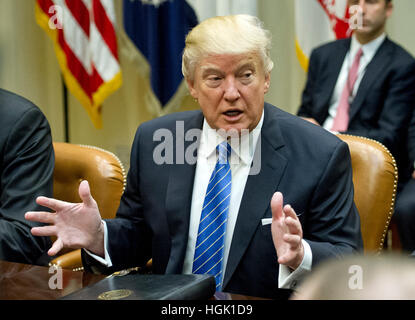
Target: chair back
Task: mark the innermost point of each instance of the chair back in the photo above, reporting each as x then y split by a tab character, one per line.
375	177
105	175
101	168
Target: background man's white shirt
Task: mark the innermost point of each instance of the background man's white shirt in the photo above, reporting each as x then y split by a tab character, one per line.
369	51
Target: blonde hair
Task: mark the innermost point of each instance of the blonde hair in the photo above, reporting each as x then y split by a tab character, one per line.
235	34
385	276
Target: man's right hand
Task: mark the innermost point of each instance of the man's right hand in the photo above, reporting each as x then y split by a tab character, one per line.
76	225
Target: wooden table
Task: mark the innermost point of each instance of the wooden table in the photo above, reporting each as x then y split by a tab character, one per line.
26	282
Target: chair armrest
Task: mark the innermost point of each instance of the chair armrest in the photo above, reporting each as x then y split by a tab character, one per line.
71	260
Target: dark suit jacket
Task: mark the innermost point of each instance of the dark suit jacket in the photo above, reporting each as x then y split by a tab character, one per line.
411	140
26	171
310	166
384	101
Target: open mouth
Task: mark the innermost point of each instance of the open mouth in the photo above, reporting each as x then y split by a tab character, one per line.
365	23
232	113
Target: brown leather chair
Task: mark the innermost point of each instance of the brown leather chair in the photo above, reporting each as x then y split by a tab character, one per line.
375	177
105	174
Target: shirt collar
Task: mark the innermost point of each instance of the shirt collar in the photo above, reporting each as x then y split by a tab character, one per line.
369	49
243	149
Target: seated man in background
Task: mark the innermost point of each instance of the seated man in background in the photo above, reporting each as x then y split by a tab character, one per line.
364	85
220	205
26	172
404	215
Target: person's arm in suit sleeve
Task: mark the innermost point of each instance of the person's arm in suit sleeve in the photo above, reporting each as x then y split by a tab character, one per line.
27	172
128	242
332	228
411	143
306	107
395	116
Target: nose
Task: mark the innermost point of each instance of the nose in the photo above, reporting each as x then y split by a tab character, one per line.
231	92
362	4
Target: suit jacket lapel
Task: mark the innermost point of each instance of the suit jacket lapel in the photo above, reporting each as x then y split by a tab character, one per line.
179	198
373	72
335	65
258	190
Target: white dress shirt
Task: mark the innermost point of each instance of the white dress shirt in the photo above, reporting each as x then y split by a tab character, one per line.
369	51
240	162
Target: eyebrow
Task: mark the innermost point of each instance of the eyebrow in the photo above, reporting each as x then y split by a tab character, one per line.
212	69
247	65
209	69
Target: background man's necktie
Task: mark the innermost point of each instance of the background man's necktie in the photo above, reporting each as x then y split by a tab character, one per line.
341	121
211	235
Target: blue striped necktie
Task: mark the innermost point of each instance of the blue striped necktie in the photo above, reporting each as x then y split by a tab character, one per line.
211	235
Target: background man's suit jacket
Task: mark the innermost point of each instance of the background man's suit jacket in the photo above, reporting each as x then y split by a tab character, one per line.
384	101
310	166
26	171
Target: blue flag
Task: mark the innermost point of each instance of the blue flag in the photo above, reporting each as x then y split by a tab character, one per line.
158	29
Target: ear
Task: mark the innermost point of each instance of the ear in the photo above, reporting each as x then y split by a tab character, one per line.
192	90
267	82
389	9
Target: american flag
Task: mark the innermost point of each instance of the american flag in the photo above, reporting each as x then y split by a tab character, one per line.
317	22
85	41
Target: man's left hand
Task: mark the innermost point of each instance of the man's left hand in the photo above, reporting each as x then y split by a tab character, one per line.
287	233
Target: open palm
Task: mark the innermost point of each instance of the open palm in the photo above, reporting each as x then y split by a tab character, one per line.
75	225
286	232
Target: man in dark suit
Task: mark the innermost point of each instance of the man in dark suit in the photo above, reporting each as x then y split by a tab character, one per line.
404	215
383	96
382	99
26	172
289	200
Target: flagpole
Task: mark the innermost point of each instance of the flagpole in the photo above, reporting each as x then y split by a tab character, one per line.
65	110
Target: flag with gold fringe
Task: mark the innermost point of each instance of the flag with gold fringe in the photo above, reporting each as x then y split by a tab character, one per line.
83	32
155	32
157	29
317	22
